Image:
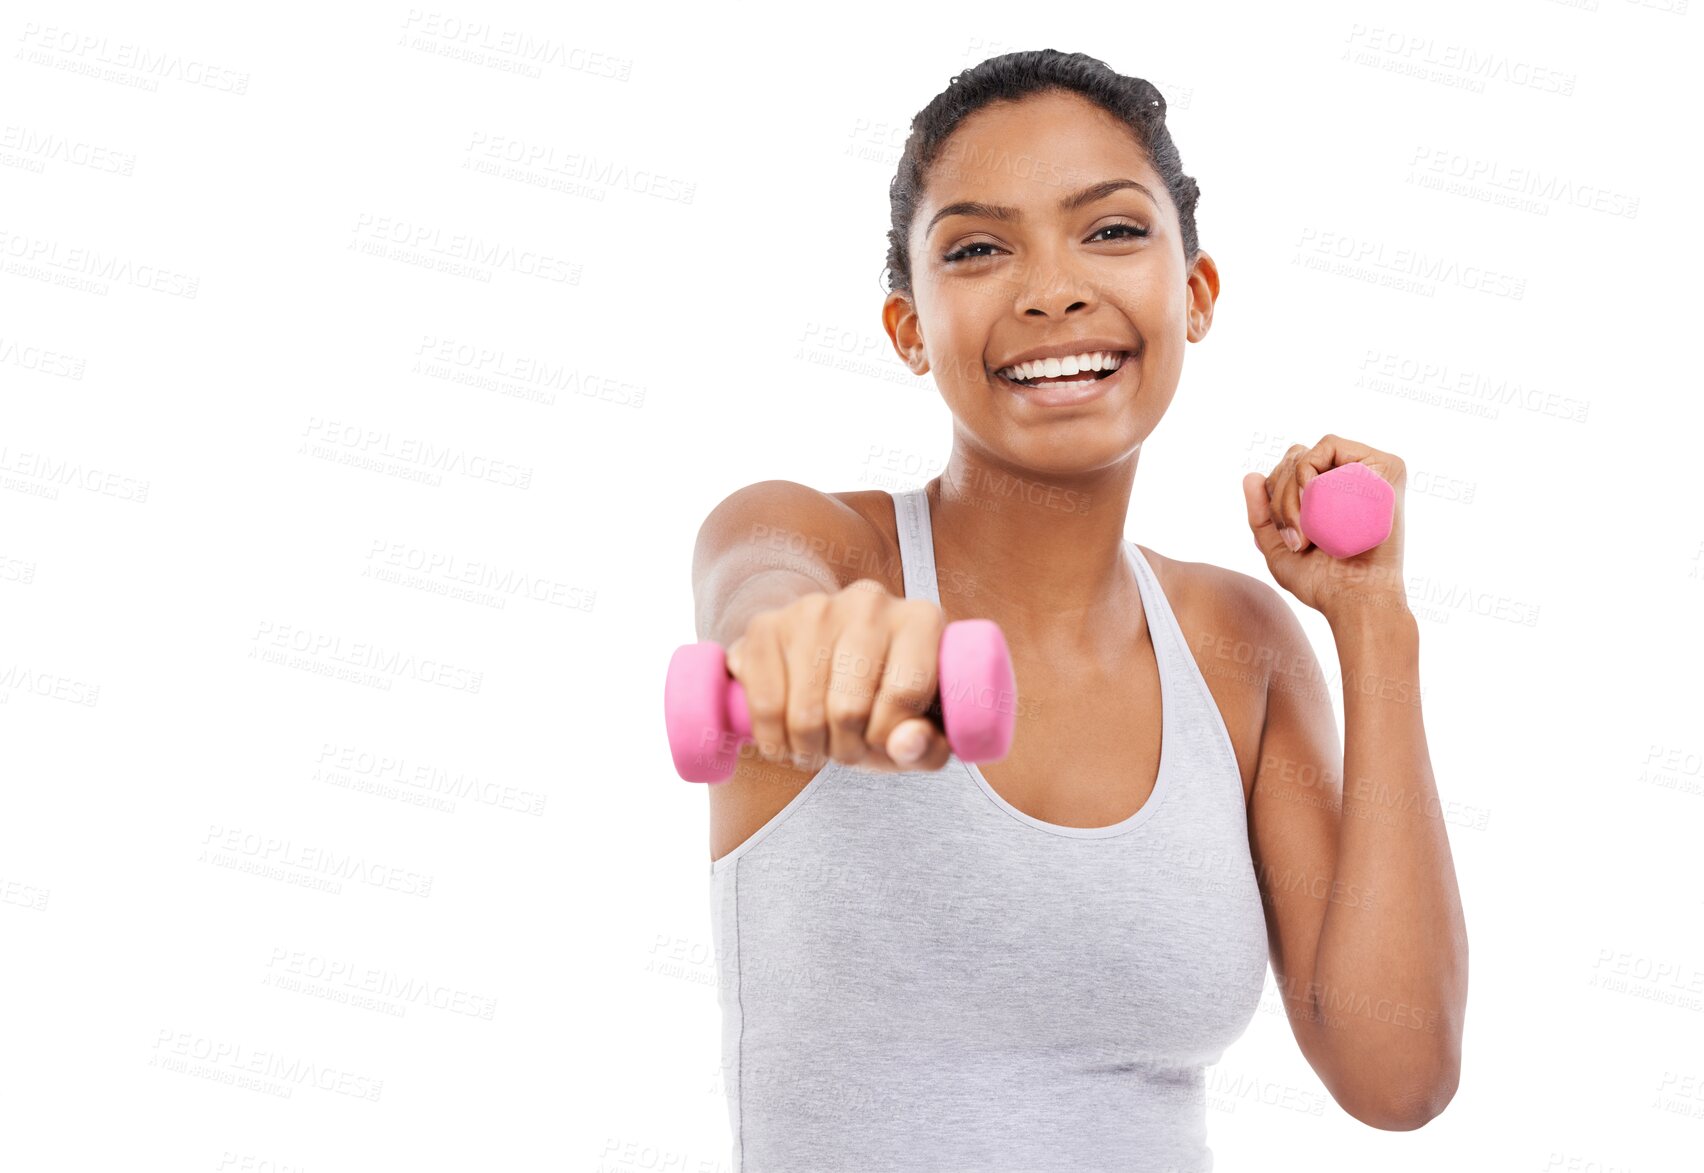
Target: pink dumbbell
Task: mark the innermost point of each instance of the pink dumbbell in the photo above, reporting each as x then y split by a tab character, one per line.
975	704
1348	510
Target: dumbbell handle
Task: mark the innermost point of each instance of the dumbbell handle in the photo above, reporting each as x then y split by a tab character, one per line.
1347	510
707	717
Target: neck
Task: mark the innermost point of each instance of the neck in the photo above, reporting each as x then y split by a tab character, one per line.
1043	557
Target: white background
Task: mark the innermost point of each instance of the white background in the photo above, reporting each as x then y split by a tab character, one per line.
337	588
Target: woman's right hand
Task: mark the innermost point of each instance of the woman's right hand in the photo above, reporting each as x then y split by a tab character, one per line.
844	676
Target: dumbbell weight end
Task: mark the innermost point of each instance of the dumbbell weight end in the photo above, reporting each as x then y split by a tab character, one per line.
1347	510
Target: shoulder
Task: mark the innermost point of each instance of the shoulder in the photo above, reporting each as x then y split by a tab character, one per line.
875	508
1217	598
1239	627
780	522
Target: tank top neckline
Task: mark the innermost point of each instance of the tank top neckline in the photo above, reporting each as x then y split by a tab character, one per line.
917	564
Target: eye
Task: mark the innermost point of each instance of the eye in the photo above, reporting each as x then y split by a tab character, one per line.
1131	231
961	254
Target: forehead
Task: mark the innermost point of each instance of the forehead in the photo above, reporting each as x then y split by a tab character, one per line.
1030	152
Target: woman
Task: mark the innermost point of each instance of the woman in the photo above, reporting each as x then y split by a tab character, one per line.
926	964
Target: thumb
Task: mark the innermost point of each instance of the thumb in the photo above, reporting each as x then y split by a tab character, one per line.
909	740
1266	537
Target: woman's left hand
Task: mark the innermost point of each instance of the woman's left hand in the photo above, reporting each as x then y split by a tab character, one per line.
1336	587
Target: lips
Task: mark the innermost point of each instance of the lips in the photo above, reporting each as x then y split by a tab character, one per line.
1070	392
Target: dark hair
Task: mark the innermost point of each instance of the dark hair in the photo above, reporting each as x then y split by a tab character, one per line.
1010	77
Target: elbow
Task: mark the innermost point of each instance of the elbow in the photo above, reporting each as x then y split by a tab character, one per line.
1412	1108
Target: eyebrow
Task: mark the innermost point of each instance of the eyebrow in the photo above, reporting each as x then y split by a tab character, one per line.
1070	203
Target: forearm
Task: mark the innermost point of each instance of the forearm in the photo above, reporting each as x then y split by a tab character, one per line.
765	590
1389	984
769	544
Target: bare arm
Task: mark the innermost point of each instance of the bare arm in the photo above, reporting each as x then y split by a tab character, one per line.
770	543
1369	944
763	548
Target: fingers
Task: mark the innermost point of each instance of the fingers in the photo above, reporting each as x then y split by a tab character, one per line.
809	657
1260	519
846	677
1285	498
1301	465
930	740
908	686
936	751
755	660
855	678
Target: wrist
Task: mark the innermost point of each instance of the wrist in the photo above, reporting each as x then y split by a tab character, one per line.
1377	614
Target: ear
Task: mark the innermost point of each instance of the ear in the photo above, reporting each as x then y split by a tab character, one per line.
1203	286
899	319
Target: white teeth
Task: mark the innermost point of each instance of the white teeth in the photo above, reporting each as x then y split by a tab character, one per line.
1099	360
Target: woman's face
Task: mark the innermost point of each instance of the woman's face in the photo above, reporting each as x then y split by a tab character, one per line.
988	289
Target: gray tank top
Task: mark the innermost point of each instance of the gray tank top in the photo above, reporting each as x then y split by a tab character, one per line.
913	974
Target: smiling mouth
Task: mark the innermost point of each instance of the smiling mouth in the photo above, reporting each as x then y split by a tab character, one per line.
1081	379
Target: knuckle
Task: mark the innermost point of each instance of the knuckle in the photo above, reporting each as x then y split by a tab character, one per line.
804	639
764	709
804	718
848	711
906	678
908	693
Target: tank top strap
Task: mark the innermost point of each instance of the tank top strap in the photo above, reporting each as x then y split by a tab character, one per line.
1170	646
916	544
1190	712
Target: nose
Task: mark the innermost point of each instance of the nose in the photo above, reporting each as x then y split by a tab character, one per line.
1053	290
